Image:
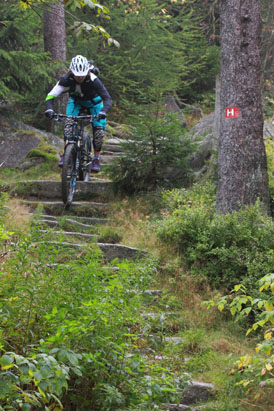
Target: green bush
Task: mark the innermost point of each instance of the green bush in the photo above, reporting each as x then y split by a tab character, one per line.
157	155
225	248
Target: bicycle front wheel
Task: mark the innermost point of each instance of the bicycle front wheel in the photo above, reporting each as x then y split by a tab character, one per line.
69	174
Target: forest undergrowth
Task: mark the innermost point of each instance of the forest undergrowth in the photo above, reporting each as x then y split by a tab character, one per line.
217	270
69	331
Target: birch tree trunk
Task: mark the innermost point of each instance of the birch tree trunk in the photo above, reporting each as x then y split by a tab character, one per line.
241	160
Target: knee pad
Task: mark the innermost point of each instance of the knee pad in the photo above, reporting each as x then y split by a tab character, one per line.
68	128
98	136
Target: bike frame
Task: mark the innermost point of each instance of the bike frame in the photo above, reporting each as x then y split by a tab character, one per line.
77	140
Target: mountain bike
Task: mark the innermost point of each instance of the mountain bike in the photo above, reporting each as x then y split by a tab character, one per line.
77	155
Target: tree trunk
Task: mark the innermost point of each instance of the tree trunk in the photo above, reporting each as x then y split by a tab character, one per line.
217	111
242	160
55	31
55	42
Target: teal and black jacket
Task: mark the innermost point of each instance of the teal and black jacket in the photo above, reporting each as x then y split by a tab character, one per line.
92	89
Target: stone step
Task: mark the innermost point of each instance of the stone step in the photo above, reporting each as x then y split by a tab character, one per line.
71	233
175	407
49	223
161	316
56	223
53	221
107	159
150	293
70	218
54	265
79	208
195	392
178	407
110	251
160	339
51	189
154	293
174	340
113	148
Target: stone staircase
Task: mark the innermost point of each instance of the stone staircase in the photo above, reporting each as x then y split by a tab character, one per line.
89	210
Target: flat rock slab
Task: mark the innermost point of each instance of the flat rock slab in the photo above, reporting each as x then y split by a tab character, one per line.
154	293
159	316
110	251
174	340
51	189
175	407
70	233
83	222
79	208
107	159
197	392
113	148
178	407
17	139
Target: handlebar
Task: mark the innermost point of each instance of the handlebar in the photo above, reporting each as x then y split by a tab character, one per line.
61	117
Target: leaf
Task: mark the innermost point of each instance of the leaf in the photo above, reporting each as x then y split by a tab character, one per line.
221	307
46	372
72	358
5	387
26	407
238	287
42	392
62	355
268	367
268	306
267	350
6	362
268	336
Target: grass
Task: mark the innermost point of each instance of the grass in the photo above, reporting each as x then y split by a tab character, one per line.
212	341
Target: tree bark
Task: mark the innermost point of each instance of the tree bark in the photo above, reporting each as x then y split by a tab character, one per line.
55	31
242	164
55	44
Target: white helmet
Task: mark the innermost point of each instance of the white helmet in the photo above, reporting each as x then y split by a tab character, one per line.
79	66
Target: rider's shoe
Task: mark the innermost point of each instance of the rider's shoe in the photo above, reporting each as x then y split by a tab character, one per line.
61	162
95	165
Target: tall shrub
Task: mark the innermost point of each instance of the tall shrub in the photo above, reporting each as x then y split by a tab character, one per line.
156	155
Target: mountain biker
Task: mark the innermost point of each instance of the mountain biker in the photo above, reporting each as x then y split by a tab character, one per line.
85	91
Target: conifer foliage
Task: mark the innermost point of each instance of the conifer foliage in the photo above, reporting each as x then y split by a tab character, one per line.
156	155
24	68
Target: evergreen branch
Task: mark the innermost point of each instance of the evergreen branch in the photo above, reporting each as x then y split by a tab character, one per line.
32	6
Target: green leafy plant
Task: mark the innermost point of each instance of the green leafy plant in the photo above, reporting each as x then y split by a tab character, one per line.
269	145
257	368
33	381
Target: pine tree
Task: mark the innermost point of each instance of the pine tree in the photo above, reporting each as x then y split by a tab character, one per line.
242	159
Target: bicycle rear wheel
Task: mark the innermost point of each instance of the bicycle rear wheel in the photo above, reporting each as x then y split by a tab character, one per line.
69	174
